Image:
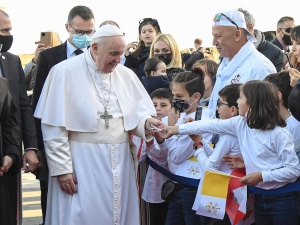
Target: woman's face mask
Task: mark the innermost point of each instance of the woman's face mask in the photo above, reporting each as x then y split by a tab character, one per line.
181	105
166	58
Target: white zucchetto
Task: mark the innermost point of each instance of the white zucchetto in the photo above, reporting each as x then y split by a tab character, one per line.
107	31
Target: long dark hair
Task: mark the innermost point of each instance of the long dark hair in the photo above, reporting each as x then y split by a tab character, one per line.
193	81
141	43
263	100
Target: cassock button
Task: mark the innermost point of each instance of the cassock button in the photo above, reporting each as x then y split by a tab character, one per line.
3	57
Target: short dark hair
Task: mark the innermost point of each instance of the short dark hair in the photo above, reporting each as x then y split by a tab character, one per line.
231	94
284	19
193	81
84	12
263	100
151	65
162	93
282	81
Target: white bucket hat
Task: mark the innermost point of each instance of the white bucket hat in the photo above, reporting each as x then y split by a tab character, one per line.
232	18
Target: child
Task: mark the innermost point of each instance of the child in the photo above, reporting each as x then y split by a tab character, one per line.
211	158
188	88
209	68
282	81
227	107
155	70
267	149
148	30
162	100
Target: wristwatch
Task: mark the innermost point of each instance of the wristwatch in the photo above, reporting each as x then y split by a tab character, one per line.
197	145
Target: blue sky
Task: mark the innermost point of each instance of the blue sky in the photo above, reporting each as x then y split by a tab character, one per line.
185	21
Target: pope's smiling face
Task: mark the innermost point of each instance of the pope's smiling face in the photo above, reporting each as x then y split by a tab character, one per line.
107	54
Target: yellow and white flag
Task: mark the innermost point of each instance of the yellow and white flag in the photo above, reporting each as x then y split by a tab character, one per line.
189	168
213	194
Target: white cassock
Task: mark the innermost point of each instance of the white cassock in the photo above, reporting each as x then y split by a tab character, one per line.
77	142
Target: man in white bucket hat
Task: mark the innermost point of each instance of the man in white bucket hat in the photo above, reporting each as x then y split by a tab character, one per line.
240	59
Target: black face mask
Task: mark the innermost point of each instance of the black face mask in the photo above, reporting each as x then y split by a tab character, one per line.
6	42
166	58
287	39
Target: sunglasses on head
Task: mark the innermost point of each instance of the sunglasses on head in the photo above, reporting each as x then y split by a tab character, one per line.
287	30
218	17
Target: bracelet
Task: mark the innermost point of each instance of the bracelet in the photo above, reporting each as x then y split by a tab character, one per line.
197	145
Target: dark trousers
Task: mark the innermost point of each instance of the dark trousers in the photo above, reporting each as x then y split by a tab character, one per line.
180	210
12	184
7	209
158	213
277	209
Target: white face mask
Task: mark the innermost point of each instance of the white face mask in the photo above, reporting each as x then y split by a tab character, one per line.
82	41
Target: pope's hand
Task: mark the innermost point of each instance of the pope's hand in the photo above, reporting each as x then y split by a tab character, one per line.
67	183
152	121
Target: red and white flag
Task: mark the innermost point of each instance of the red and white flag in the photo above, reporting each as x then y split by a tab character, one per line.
236	197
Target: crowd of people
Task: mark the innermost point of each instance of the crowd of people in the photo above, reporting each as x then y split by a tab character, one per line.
112	127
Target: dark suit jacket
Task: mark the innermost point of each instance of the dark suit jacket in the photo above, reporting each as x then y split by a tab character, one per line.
9	127
195	56
277	43
272	52
12	70
9	145
47	59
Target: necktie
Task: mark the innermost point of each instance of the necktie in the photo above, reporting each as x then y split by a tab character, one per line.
78	51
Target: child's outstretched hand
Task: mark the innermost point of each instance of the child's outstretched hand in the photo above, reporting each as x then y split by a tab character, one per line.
169	131
234	161
252	178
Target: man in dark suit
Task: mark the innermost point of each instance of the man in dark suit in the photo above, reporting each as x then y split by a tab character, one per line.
81	28
12	70
283	32
10	155
196	55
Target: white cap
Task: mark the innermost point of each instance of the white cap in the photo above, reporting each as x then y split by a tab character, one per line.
107	31
237	17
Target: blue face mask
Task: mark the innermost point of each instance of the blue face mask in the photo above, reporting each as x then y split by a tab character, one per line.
82	41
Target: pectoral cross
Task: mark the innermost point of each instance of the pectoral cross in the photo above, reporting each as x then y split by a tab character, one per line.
106	117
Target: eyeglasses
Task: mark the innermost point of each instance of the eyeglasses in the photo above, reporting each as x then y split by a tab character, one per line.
219	103
287	30
218	17
82	32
